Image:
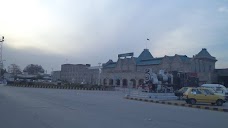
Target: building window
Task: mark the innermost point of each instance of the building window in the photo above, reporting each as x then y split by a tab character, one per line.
210	68
133	82
125	83
118	82
204	67
110	81
195	66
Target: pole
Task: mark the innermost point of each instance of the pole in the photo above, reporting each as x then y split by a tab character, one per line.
99	77
1	61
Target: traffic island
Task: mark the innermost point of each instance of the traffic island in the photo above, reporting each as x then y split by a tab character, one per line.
213	108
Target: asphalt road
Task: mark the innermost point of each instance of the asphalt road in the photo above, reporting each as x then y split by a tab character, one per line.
53	108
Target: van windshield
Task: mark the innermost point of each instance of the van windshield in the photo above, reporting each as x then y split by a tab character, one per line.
219	89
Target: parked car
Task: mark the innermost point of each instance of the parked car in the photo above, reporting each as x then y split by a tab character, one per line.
202	95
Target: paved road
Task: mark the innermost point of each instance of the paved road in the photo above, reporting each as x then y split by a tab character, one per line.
53	108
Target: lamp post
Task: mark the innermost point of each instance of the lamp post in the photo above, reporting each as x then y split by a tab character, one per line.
99	77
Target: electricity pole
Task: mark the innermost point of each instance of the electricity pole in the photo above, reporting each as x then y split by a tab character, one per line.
1	61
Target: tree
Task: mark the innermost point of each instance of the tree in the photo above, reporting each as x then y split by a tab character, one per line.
33	69
2	71
14	69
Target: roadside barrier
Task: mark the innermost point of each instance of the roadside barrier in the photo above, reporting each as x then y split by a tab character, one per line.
60	87
213	108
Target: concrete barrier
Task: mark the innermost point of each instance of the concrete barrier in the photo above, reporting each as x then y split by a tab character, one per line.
178	104
60	87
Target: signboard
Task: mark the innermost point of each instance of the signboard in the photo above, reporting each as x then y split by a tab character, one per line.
126	54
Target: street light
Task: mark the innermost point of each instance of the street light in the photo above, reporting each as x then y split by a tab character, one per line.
99	78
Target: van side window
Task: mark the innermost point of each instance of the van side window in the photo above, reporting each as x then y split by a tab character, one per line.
207	92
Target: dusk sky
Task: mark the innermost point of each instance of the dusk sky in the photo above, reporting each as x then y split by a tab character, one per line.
53	32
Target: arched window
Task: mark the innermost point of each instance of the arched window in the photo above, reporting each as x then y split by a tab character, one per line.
125	83
118	82
111	82
133	83
105	81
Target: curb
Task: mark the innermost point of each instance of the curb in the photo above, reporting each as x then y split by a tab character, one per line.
61	87
179	104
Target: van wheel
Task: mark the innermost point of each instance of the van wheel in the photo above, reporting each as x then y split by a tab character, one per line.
192	101
219	102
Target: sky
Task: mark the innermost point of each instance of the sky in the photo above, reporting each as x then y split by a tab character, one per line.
54	32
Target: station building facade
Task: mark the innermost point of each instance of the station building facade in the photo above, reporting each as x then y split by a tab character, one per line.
129	70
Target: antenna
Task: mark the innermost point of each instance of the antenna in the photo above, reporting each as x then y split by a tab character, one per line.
147	40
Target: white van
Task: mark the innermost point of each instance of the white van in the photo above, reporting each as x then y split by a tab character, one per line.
218	88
